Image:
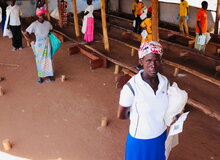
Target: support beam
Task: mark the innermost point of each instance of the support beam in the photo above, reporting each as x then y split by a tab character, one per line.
217	17
47	8
59	10
76	22
104	26
155	29
119	5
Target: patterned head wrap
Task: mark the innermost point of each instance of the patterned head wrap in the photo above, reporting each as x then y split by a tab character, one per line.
40	11
150	47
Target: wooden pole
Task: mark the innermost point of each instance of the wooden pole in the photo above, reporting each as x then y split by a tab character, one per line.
47	8
104	26
119	5
6	144
116	69
59	10
76	22
217	17
155	20
132	51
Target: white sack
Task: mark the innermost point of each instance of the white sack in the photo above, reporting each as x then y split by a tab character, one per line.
134	23
55	13
144	34
0	14
177	101
171	142
84	24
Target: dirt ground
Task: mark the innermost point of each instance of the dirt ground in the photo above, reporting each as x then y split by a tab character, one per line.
61	121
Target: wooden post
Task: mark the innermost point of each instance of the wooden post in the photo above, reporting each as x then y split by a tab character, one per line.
116	69
63	78
217	17
119	5
104	121
155	20
1	91
59	10
176	71
6	144
47	8
104	26
76	22
132	52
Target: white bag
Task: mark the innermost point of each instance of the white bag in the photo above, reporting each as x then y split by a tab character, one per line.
143	16
171	142
177	101
201	39
134	23
0	14
84	24
144	34
55	13
7	33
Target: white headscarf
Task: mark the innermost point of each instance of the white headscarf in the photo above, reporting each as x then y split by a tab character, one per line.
150	47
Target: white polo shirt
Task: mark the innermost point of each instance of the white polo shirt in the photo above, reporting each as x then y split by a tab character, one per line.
147	109
15	13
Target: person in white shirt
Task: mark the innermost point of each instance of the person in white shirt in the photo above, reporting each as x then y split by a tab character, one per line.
14	22
42	46
88	22
144	101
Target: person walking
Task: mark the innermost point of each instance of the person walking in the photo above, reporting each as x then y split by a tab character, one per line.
138	12
202	27
183	17
88	22
42	47
3	6
13	20
147	25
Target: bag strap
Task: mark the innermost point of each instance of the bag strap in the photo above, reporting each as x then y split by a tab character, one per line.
131	88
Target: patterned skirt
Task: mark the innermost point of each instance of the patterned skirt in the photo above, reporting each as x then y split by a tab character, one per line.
43	57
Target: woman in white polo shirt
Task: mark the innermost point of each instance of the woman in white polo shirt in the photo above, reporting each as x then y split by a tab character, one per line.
144	100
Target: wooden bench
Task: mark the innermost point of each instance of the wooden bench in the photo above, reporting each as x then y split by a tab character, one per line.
96	61
122	79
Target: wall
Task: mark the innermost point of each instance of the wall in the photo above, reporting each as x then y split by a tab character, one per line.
170	9
167	12
171	15
28	6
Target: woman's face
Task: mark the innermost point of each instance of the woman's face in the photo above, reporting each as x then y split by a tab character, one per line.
41	18
151	64
89	2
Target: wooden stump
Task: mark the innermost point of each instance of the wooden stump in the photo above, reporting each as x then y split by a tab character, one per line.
63	78
176	71
1	91
132	52
6	144
104	122
116	69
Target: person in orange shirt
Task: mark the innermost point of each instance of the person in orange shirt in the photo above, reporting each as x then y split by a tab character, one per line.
201	27
137	13
183	17
147	25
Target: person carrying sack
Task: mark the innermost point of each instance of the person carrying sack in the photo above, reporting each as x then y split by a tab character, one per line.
42	46
202	36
